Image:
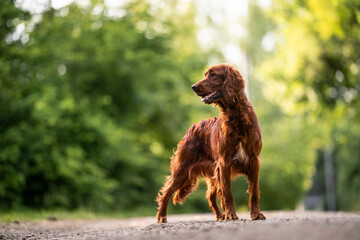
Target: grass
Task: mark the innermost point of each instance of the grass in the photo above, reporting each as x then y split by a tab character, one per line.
36	215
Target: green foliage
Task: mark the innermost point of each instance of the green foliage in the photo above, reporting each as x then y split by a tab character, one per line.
92	104
90	108
287	156
314	73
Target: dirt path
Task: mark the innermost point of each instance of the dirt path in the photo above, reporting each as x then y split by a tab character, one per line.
279	225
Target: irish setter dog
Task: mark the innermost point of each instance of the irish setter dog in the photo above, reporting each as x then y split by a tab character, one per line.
218	148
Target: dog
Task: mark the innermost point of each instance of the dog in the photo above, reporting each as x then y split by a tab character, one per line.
217	149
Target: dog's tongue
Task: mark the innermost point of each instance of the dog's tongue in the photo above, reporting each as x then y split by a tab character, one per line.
213	95
204	99
207	97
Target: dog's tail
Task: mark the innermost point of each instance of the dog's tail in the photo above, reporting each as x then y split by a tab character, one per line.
184	192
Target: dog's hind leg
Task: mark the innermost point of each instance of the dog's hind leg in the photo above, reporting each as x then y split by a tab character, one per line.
211	197
172	184
185	190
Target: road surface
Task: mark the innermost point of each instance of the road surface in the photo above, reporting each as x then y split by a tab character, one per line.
279	225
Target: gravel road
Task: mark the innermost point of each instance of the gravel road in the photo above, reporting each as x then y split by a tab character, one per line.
279	225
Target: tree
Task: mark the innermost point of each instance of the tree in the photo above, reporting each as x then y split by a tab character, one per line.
96	109
315	66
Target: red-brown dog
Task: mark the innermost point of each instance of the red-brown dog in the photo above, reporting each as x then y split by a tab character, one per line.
218	148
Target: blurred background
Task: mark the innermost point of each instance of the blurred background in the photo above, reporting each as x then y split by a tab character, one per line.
95	95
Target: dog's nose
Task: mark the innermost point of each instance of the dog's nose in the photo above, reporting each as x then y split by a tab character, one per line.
195	87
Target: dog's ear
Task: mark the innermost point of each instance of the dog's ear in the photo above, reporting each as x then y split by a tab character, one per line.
233	84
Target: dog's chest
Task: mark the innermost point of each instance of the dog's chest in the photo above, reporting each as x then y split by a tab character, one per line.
240	156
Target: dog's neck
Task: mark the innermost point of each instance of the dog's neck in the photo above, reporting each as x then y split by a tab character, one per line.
239	114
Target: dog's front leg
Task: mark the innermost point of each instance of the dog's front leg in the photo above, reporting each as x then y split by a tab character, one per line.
253	177
227	202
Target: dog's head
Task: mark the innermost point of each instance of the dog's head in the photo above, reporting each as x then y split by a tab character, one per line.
222	85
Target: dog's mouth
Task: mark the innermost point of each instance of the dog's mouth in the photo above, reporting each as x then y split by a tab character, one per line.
209	98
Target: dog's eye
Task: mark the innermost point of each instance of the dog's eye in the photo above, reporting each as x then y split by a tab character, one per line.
212	74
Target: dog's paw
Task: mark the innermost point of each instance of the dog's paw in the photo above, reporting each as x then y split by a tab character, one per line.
257	216
231	216
220	217
161	220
